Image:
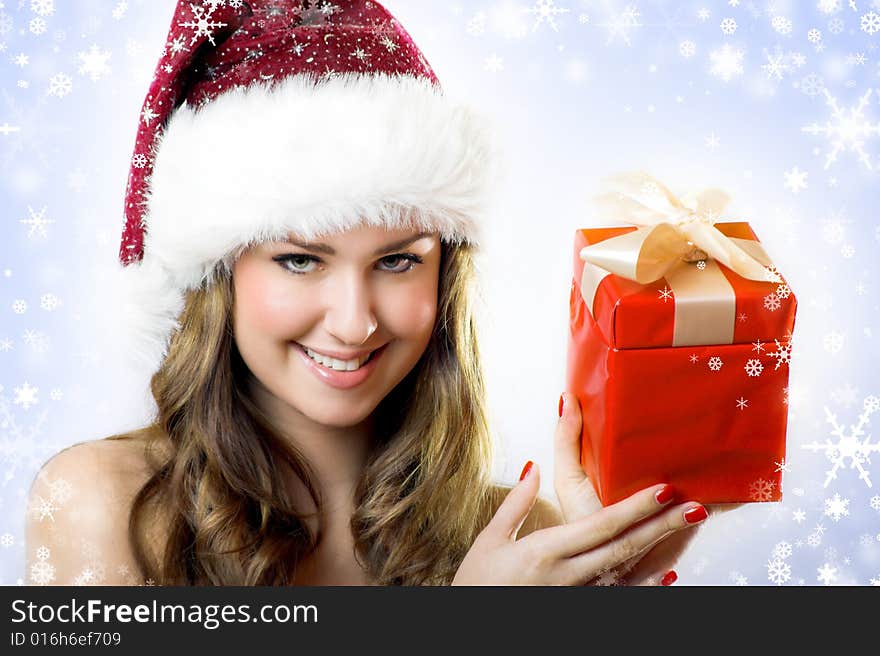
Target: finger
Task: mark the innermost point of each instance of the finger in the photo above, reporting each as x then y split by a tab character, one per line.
600	527
634	542
517	505
577	498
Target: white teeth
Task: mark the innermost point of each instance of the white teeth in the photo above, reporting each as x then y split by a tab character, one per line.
338	365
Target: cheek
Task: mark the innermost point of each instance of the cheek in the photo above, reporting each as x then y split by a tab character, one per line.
265	305
412	314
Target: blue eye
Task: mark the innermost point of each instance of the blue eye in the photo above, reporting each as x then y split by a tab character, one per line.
298	263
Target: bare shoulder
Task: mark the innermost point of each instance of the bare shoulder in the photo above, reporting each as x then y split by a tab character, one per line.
543	514
77	515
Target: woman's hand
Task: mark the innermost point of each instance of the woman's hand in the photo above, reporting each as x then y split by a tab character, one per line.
573	553
577	500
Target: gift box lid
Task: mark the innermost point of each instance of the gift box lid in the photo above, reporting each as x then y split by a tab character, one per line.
692	306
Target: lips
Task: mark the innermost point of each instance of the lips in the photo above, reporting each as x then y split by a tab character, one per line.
341	379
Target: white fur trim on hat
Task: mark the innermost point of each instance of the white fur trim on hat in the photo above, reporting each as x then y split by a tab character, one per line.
257	163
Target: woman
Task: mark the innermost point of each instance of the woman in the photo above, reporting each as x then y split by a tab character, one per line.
320	414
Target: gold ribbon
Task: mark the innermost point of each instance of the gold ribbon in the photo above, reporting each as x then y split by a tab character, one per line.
673	234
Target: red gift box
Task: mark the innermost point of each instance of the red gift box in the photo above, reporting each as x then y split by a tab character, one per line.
682	380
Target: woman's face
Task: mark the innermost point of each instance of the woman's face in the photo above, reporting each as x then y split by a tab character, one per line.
364	292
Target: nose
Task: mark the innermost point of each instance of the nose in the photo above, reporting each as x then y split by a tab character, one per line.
349	312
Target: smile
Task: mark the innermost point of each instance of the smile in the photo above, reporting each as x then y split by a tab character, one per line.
341	374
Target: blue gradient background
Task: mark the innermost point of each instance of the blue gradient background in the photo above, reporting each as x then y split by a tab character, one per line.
587	94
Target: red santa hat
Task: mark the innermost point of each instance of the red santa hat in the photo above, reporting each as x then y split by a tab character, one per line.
267	117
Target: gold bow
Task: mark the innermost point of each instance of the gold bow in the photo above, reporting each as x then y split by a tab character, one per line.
671	230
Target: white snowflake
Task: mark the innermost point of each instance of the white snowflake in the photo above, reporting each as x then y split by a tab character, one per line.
26	396
814	36
93	63
836	25
782	550
139	160
875	502
782	354
43	7
847	129
42	573
846	396
19	306
6	540
778	64
38	341
826	574
829	6
622	24
833	342
742	403
814	539
60	85
120	9
687	49
37	222
848	445
798	515
781	24
715	363
870	23
37	26
778	571
761	490
546	10
727	62
812	84
202	24
728	26
665	294
836	507
49	302
754	367
148	114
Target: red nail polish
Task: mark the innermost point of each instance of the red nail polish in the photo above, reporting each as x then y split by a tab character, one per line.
695	515
526	470
665	494
561	404
669	578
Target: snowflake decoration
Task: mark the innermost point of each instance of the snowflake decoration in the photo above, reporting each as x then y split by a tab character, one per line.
49	302
812	84
870	23
829	6
37	222
836	507
826	574
742	403
761	490
772	302
546	10
148	114
19	306
727	62
796	180
778	64
687	49
848	444
782	354
43	7
728	26
622	24
202	23
782	550
778	571
37	26
60	85
665	293
139	160
875	502
782	25
715	363
26	396
753	367
847	129
93	63
42	573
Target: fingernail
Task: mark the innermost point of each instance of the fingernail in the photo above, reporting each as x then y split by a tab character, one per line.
669	578
695	515
561	404
665	494
526	470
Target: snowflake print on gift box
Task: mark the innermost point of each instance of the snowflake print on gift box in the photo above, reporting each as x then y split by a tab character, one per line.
715	363
849	445
761	490
782	354
754	367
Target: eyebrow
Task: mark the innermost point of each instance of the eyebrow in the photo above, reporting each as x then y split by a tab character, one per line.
324	248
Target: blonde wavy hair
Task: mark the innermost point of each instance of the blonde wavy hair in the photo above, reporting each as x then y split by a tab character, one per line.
219	484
